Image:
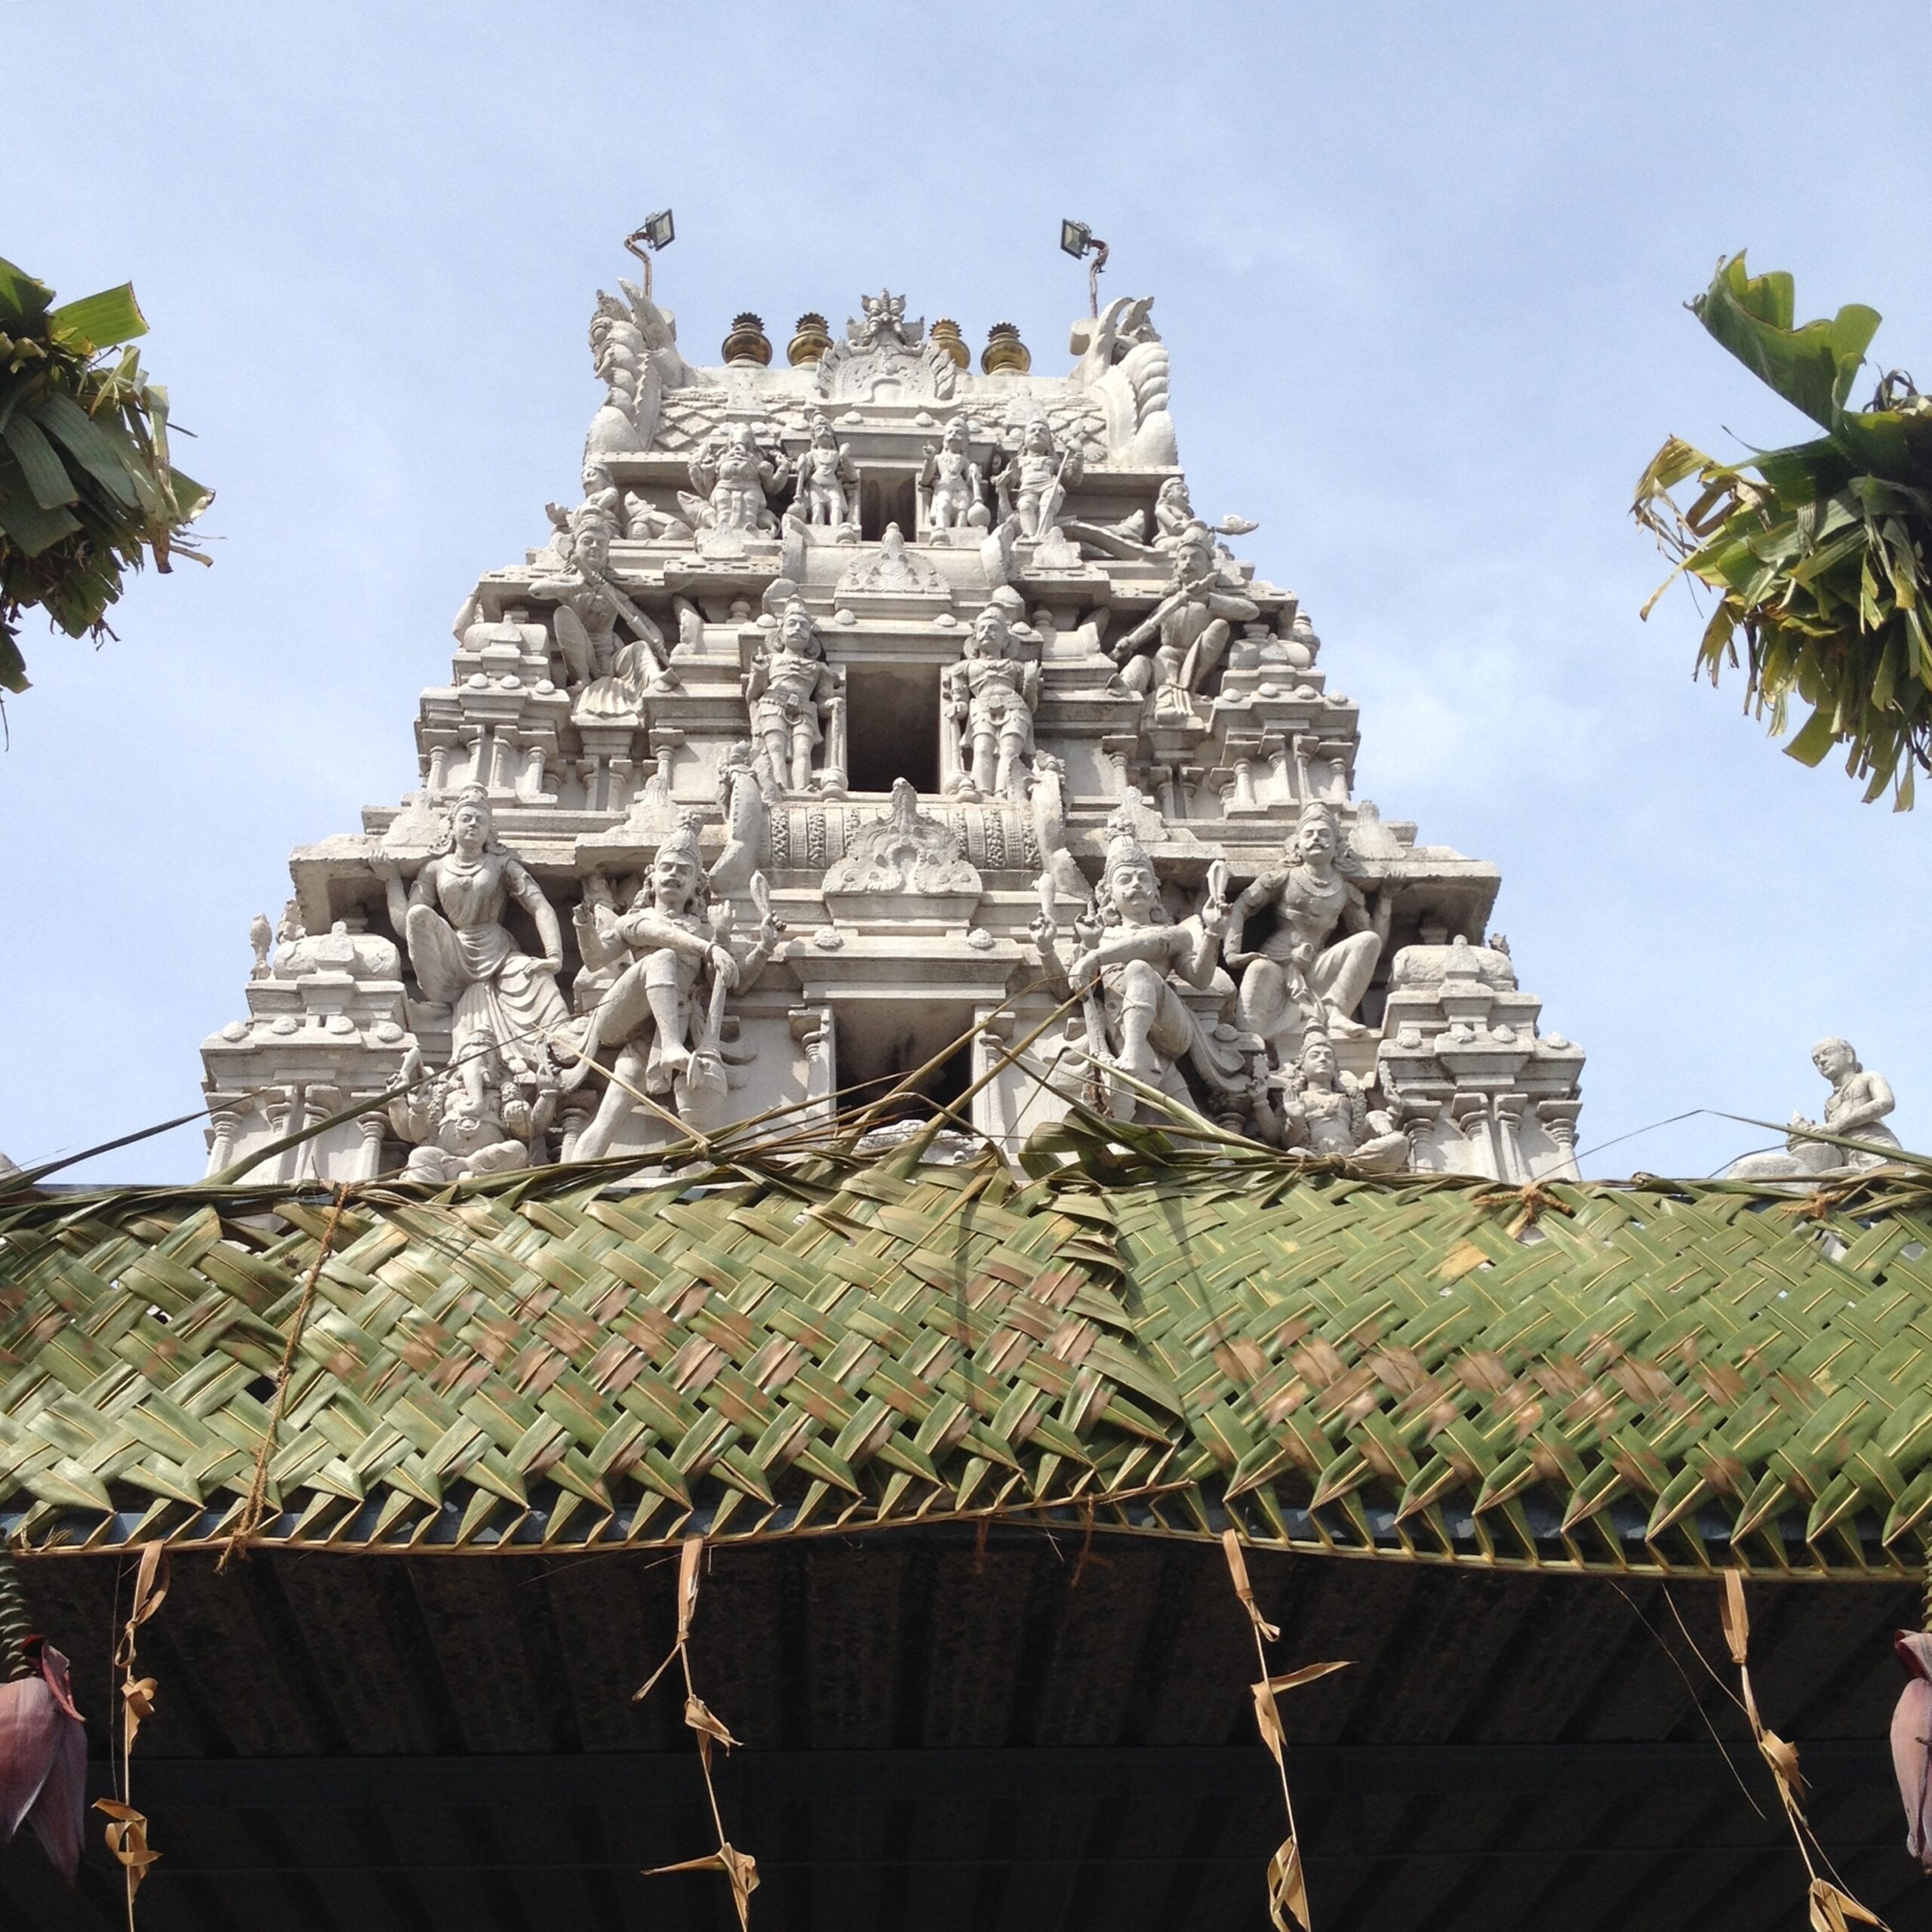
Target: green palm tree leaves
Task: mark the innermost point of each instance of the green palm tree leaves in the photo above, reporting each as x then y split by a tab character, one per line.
1821	553
87	489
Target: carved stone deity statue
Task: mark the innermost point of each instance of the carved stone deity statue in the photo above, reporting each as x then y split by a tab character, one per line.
827	497
952	490
611	674
1856	1107
747	822
1033	488
796	703
733	476
664	1010
1166	657
989	701
1136	1022
1298	978
1173	515
1316	1107
506	1005
458	1135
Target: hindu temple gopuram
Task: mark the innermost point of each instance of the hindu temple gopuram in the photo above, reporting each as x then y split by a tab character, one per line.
881	1263
865	705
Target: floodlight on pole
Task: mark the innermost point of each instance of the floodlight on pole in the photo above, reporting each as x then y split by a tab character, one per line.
658	232
1077	240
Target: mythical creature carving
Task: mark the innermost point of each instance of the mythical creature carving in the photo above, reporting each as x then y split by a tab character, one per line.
507	1007
677	960
634	350
612	675
459	1133
987	704
904	850
797	704
1856	1108
1124	365
1166	658
1315	1106
1300	978
883	357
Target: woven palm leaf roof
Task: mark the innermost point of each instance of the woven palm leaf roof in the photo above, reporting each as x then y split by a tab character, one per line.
1651	1376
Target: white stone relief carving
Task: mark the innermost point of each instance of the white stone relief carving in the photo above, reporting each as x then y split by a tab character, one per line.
952	492
1124	363
1315	1106
1166	658
1300	976
612	675
676	960
828	496
1856	1108
733	475
987	704
506	1009
796	701
883	358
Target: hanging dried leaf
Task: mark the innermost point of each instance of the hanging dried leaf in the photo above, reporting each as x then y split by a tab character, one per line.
1833	1911
136	1706
1243	1589
150	1592
708	1728
1736	1619
1268	1718
740	1867
1782	1758
1288	1889
127	1839
689	1559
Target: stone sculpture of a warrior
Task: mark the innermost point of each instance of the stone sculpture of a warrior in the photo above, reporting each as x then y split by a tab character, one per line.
661	1015
1301	975
989	698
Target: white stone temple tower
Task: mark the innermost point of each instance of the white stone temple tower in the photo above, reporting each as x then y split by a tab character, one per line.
867	705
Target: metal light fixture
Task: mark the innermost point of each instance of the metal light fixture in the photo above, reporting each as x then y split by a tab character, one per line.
1078	240
658	232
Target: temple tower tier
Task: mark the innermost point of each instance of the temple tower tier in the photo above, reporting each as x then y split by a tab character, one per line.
870	717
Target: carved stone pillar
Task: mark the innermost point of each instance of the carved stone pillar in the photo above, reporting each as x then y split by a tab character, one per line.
812	1028
227	1125
1470	1111
1415	1117
1559	1121
1243	799
368	1161
437	779
1507	1111
575	1116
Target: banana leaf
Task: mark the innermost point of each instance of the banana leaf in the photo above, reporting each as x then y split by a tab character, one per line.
1821	552
87	491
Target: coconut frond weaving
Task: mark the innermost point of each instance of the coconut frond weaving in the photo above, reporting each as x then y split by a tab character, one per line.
1654	1375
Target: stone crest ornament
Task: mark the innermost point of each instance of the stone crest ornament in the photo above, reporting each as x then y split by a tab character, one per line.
883	358
931	657
904	850
1856	1108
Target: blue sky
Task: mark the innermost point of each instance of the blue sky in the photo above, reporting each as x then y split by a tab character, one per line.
1421	269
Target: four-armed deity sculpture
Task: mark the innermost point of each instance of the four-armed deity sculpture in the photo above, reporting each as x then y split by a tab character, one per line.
734	477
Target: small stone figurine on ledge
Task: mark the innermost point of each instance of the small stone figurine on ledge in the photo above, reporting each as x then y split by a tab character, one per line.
1856	1108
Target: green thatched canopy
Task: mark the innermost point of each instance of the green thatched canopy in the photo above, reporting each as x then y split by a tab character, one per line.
1657	1375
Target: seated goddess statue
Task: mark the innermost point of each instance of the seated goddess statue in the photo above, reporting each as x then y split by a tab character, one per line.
1316	1108
1856	1108
657	1011
507	1007
610	675
1298	979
